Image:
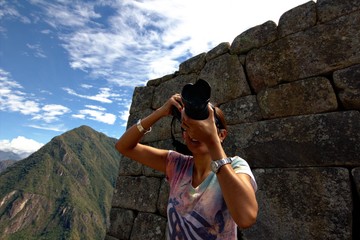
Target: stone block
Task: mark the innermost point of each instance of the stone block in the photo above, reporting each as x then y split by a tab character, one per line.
108	237
193	65
129	167
330	139
242	59
163	197
157	81
254	37
136	193
347	81
122	222
356	178
149	172
220	49
226	77
298	56
302	203
297	19
160	130
148	226
330	9
313	95
142	99
241	110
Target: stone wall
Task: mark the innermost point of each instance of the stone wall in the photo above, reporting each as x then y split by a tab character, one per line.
291	94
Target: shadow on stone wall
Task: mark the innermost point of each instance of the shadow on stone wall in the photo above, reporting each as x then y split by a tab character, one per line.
291	94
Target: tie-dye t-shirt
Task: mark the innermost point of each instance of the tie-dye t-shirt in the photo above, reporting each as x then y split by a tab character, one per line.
201	212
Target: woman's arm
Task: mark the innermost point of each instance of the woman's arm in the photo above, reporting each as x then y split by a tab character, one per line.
129	145
239	196
237	190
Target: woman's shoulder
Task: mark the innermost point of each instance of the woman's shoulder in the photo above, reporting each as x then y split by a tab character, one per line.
176	155
177	163
238	161
241	166
177	158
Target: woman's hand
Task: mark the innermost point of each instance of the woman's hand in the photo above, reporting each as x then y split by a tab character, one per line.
173	101
202	130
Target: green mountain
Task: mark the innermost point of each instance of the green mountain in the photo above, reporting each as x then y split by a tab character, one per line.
62	191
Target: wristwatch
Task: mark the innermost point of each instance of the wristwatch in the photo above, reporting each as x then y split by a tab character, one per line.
216	165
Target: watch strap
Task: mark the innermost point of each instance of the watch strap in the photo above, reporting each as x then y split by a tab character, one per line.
221	162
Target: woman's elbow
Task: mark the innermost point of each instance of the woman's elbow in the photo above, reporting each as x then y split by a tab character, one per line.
249	219
119	147
123	148
247	223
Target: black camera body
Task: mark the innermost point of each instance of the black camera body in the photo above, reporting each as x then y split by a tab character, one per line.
195	98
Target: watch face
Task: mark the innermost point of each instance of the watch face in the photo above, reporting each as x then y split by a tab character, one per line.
214	166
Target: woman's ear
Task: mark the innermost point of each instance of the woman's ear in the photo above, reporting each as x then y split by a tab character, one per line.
183	135
222	134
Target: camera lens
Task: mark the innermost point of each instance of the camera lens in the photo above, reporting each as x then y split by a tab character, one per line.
196	98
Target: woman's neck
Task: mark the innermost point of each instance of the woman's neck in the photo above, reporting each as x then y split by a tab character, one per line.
201	169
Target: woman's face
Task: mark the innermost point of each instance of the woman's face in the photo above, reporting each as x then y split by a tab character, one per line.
194	145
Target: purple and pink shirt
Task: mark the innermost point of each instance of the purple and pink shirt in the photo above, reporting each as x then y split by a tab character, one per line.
201	212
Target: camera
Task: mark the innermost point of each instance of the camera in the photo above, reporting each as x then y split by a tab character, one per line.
195	98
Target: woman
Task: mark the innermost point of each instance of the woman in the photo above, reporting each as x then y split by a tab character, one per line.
210	193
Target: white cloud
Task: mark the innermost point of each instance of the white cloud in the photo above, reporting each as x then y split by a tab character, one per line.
68	13
86	86
96	107
105	95
36	48
55	128
46	31
46	92
13	99
20	145
96	113
6	10
51	113
79	116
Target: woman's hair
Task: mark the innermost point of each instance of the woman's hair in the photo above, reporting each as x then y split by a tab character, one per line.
220	120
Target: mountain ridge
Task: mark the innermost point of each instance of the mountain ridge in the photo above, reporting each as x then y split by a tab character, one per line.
6	163
61	191
8	155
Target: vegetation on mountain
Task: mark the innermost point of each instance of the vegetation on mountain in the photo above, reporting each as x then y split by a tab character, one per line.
62	191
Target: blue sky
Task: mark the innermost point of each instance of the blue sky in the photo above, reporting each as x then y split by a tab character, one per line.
67	63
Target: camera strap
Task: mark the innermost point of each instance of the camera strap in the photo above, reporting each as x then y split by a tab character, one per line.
179	146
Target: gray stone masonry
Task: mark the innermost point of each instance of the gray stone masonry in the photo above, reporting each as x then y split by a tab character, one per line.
291	95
